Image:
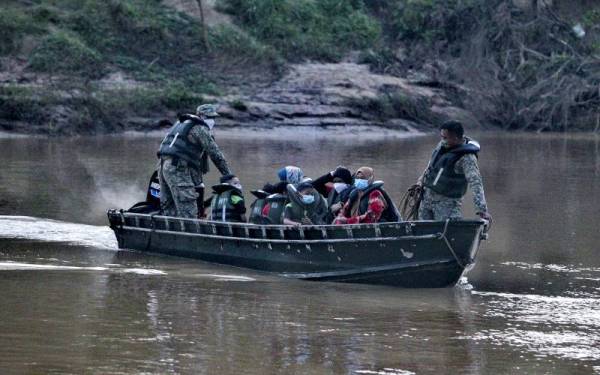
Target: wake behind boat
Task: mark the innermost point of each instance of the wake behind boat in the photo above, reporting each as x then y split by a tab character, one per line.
418	254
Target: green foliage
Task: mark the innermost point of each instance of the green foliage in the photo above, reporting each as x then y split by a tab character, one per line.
306	29
381	60
13	26
424	21
89	108
62	52
239	105
240	48
137	30
591	18
112	105
22	104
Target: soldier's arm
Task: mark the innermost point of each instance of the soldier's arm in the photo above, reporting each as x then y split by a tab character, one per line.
202	136
468	164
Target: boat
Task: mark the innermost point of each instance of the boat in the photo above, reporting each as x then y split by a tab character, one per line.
411	254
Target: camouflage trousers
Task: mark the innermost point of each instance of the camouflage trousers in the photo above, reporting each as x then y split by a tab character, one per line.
178	188
437	207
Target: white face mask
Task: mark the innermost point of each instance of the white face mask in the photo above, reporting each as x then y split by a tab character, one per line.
210	123
339	186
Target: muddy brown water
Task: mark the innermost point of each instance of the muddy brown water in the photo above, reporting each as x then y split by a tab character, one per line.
71	303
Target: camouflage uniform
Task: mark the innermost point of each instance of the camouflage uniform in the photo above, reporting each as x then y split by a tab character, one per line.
435	206
178	183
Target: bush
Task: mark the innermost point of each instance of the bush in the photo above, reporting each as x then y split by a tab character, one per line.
306	29
25	104
14	25
239	105
239	48
62	52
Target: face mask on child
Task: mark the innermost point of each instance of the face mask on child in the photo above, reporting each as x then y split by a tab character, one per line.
361	184
308	199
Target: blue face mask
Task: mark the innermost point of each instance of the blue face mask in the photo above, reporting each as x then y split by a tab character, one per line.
361	184
308	199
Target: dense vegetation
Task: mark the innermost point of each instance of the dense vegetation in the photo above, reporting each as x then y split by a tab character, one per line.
514	68
72	44
511	67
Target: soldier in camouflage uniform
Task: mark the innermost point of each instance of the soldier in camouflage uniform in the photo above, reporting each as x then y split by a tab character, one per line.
453	167
184	154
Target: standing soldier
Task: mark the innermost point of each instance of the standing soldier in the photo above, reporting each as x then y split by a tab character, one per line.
453	167
184	159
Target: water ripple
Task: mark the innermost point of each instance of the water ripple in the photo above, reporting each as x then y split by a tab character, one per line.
19	266
32	228
549	325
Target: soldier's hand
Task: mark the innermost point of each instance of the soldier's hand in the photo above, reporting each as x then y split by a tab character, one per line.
336	207
485	216
336	169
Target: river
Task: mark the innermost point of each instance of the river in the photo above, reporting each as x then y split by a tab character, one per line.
72	304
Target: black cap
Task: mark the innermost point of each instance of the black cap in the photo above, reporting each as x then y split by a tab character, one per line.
269	188
343	174
304	185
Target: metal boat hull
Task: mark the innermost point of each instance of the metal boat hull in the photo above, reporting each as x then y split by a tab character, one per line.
423	254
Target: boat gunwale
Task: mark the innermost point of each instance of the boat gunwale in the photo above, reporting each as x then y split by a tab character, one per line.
461	222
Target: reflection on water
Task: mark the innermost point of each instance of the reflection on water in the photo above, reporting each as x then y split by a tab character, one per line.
72	304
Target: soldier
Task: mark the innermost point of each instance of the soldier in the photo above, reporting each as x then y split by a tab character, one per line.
183	157
453	166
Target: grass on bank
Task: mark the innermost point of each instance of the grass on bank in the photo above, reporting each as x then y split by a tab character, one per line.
76	42
89	109
321	30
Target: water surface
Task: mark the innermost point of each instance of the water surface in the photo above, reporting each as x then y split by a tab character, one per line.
72	303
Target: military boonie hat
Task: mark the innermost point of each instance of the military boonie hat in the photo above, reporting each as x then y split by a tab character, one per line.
208	110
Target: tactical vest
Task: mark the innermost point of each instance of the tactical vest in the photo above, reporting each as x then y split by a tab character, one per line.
390	214
257	206
298	212
277	203
176	143
221	207
441	177
315	211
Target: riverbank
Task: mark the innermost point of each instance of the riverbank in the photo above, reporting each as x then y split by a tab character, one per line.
319	95
111	67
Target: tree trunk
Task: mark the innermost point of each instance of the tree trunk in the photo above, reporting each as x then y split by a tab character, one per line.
203	24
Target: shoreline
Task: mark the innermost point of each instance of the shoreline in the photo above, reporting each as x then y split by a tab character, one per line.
282	131
233	131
